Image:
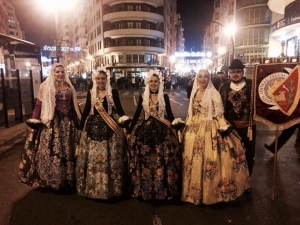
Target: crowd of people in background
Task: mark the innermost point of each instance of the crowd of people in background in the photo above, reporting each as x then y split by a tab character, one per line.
103	154
132	82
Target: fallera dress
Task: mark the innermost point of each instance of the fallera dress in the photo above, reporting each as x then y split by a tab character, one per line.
154	155
214	167
101	161
48	157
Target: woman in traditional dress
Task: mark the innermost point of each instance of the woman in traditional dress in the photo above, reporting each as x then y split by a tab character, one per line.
214	161
101	161
48	158
154	151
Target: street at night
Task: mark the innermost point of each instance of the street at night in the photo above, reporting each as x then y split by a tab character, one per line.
149	112
23	205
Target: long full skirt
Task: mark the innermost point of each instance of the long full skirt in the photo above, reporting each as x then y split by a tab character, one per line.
48	157
154	161
101	163
214	167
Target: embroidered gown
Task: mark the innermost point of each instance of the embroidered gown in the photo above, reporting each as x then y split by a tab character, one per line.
48	158
101	164
154	156
214	168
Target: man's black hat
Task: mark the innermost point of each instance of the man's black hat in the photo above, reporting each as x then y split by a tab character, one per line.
236	64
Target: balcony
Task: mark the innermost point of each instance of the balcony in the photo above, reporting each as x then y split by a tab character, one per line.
82	31
285	26
133	15
112	49
133	33
81	40
154	3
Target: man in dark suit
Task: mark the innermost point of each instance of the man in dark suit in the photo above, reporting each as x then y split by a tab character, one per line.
236	98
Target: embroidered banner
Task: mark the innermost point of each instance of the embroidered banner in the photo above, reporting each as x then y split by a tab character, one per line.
276	90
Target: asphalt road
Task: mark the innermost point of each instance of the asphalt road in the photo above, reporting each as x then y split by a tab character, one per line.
129	99
22	205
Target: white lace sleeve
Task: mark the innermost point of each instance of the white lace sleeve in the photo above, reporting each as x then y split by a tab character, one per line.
218	111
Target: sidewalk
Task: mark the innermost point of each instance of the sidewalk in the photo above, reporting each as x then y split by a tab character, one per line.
12	135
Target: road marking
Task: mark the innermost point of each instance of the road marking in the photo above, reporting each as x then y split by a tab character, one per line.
176	102
134	100
126	93
136	93
156	220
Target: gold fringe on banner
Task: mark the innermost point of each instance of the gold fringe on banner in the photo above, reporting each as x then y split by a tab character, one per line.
250	133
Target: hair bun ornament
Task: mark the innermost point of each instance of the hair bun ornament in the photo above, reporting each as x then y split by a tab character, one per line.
151	73
97	71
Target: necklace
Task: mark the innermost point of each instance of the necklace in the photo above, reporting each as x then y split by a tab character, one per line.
101	89
59	83
153	92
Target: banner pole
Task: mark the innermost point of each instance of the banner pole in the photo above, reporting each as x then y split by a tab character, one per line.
275	163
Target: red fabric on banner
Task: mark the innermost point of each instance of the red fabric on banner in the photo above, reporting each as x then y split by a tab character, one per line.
286	95
265	82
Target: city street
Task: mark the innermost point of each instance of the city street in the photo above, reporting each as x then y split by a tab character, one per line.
130	97
21	205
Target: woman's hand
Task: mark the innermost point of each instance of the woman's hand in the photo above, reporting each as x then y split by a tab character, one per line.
30	130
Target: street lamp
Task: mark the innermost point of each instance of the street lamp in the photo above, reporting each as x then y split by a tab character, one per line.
53	6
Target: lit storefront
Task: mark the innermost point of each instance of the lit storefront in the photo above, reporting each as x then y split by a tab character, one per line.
285	33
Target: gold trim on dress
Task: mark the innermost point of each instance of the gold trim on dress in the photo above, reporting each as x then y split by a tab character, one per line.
110	122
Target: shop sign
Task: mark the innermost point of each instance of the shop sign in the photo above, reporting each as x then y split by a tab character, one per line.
63	49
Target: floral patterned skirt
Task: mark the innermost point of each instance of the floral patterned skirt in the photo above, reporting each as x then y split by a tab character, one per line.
101	162
48	157
214	168
154	161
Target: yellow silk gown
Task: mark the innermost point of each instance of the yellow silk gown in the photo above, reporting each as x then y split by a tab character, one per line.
214	167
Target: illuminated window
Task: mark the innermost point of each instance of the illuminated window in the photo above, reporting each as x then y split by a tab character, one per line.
129	8
138	25
138	42
129	24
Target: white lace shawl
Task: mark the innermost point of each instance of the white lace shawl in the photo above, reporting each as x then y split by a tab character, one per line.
210	100
108	89
47	93
146	95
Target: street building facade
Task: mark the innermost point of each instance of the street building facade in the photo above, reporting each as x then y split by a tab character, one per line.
249	37
127	37
285	29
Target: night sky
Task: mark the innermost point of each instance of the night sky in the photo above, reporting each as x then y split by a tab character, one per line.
38	23
195	16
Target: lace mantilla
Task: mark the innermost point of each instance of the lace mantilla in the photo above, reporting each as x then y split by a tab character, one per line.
146	95
47	93
108	95
211	101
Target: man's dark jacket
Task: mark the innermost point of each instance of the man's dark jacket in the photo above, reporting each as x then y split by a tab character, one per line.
225	88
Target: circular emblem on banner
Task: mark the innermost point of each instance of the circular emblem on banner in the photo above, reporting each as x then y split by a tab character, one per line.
268	85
